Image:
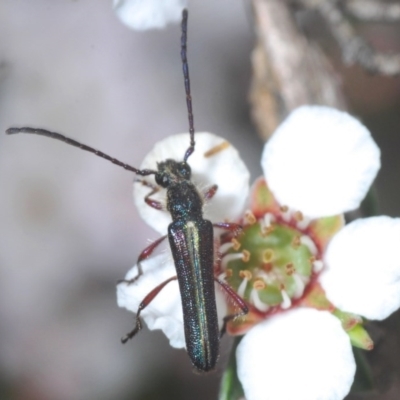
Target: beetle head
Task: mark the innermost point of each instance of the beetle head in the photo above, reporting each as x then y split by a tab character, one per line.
171	171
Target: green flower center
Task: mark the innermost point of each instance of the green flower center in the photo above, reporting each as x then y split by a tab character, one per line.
270	264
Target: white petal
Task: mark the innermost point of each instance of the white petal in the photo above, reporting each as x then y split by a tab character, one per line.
148	14
165	311
320	161
362	272
302	354
225	168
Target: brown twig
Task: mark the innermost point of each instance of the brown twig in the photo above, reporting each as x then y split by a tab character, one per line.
289	71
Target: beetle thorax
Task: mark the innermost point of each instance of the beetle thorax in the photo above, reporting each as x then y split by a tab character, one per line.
184	201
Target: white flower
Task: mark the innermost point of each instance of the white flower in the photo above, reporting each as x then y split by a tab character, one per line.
149	14
362	272
330	160
164	312
303	354
321	162
223	168
215	157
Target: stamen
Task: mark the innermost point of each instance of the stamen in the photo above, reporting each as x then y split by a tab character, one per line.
226	259
317	265
268	219
259	284
236	244
309	243
229	272
216	149
290	269
244	273
255	299
249	218
296	242
300	282
286	303
286	213
266	224
303	224
298	216
245	256
225	247
242	287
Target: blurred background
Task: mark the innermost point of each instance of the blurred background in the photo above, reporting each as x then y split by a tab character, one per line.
68	227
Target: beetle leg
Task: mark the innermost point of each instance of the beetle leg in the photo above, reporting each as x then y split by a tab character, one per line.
151	202
146	301
210	192
237	299
143	255
230	226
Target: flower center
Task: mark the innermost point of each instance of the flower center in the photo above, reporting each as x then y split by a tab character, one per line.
272	261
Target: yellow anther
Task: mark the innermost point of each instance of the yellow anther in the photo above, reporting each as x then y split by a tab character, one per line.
216	149
268	255
296	242
290	269
245	274
249	218
298	216
245	255
284	209
228	272
259	284
236	244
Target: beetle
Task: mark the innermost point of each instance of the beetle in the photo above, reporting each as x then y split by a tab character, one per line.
190	237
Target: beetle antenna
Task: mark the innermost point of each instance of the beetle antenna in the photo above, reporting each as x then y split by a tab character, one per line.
72	142
185	68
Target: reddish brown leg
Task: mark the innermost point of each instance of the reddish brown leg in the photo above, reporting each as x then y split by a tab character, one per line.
210	192
151	202
146	301
237	299
143	255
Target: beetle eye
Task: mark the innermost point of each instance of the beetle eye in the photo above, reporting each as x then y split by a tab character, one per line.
162	180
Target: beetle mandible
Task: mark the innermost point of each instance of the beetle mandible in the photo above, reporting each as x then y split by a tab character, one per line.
190	237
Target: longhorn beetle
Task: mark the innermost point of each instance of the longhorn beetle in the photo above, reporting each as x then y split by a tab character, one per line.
190	238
